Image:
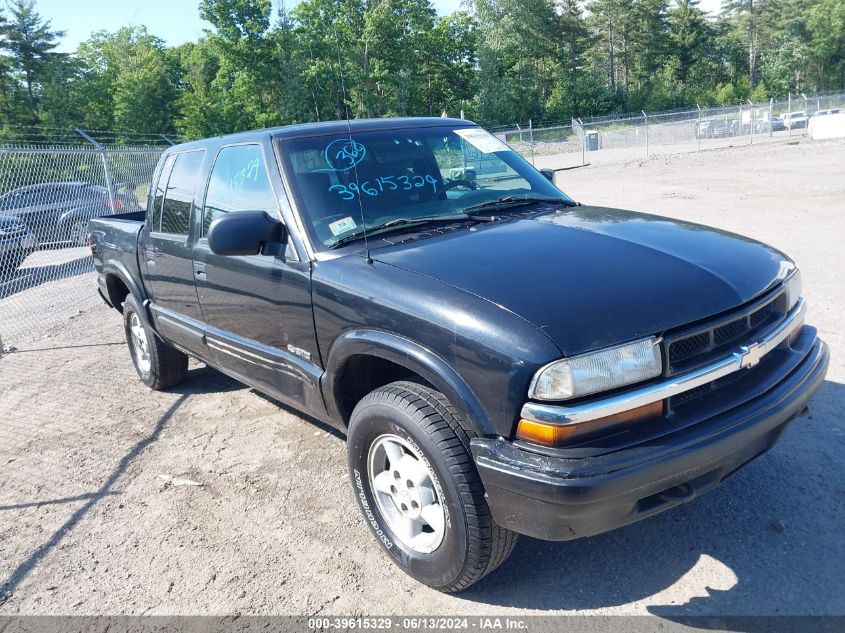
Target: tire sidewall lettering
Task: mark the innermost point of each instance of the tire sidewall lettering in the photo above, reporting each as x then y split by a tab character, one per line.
363	500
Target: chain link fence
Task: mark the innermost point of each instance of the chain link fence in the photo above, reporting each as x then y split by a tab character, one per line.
637	136
49	193
47	197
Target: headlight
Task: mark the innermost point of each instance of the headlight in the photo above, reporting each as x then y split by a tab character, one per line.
793	289
598	371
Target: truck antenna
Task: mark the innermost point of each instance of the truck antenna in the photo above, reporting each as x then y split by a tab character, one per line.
352	142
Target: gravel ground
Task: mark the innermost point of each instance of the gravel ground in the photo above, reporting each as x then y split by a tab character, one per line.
99	514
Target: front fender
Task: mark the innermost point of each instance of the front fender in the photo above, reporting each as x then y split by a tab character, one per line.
413	357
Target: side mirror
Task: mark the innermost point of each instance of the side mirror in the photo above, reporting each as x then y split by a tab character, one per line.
548	174
246	233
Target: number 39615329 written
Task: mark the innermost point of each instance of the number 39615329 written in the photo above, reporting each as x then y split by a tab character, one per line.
381	184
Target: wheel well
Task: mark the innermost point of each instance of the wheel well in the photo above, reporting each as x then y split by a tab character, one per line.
118	291
362	374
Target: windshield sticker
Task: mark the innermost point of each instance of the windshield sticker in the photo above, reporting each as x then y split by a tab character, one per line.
344	153
482	140
378	186
342	226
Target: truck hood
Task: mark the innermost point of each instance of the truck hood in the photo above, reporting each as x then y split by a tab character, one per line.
590	277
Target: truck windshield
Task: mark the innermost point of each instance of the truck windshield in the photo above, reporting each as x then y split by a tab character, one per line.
392	177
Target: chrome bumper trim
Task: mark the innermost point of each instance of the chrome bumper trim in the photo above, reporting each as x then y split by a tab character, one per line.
746	356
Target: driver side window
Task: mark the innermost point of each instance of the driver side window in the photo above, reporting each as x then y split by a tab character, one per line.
239	182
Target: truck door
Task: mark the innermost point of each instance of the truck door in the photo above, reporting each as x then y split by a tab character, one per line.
257	309
166	252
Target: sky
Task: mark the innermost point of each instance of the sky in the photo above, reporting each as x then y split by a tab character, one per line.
175	21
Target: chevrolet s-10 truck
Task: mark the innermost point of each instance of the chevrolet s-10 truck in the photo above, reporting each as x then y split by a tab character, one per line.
502	359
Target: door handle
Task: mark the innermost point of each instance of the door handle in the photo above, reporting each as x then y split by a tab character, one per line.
199	270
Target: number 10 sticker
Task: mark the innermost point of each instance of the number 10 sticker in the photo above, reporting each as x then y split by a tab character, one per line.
342	226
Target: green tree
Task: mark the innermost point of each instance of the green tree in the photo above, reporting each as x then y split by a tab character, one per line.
127	81
689	37
30	42
783	65
826	30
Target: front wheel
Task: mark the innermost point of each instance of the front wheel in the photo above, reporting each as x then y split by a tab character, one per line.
419	490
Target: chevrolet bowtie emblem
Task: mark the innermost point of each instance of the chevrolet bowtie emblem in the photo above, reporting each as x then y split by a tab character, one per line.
751	355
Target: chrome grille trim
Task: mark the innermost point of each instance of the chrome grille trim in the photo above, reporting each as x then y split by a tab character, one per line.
741	358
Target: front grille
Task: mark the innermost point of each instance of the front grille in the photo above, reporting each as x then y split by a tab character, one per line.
730	332
698	346
689	346
686	396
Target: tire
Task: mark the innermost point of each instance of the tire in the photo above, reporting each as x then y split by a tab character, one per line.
426	427
158	364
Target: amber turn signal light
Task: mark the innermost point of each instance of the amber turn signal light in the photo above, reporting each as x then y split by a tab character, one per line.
547	434
542	433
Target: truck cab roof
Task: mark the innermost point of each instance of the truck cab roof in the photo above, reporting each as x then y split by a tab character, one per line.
322	128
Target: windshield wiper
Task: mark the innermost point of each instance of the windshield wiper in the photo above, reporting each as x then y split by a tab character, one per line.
371	231
516	201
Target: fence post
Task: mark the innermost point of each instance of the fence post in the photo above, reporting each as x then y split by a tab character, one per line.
645	116
771	114
531	138
753	121
106	171
583	142
698	127
789	112
807	114
170	141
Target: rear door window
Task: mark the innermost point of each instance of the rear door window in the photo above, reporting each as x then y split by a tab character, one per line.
161	187
179	196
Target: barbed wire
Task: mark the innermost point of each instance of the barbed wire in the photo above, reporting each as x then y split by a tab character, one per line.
61	136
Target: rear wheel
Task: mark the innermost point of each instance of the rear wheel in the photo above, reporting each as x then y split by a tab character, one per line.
419	490
158	364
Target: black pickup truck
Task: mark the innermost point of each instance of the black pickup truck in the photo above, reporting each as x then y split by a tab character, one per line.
502	359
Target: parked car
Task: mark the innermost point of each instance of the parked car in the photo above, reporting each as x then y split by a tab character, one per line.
16	243
58	212
827	112
761	125
795	120
502	359
717	128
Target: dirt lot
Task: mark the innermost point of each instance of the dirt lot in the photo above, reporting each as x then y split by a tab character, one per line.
95	517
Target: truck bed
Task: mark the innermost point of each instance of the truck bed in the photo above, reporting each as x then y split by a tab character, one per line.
114	243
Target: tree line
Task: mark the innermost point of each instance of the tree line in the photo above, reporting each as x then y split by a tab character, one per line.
497	61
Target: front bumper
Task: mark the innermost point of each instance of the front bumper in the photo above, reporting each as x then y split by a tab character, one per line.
562	498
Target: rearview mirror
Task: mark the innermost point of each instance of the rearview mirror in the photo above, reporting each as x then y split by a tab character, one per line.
246	233
548	174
